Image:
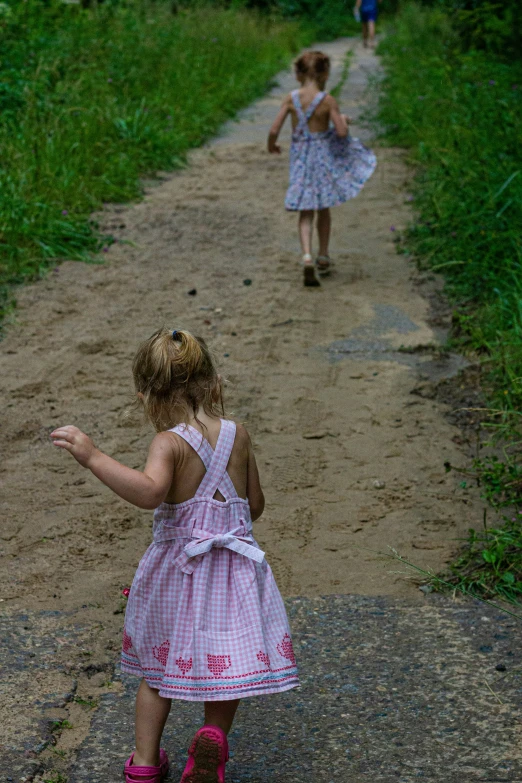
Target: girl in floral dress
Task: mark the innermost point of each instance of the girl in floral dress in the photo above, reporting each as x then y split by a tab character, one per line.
327	166
205	620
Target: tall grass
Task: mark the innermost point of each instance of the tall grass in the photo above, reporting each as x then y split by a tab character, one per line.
460	115
93	99
459	112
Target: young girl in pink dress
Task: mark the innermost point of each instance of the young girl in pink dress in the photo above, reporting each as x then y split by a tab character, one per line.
205	620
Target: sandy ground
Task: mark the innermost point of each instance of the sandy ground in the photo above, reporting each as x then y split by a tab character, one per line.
350	443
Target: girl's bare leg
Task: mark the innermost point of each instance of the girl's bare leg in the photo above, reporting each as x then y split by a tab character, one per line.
324	223
152	711
365	33
306	222
371	32
221	713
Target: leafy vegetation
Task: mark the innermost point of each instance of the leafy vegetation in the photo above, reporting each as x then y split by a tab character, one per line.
327	19
60	725
491	25
457	107
92	99
490	565
91	703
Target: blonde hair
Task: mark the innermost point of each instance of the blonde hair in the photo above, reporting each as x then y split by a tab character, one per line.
175	375
313	65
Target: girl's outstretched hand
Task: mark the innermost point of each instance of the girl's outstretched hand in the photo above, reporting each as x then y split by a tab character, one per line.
145	489
77	442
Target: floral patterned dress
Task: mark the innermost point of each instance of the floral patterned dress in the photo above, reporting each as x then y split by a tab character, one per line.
325	169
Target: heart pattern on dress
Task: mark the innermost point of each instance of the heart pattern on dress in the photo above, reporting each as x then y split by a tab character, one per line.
185	666
286	650
264	658
218	663
161	653
126	641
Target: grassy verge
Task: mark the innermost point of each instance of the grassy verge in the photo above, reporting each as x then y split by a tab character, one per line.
459	113
93	99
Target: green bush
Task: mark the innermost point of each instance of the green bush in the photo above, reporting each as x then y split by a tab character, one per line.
328	19
493	25
93	99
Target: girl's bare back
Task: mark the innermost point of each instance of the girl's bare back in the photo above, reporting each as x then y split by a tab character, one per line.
189	469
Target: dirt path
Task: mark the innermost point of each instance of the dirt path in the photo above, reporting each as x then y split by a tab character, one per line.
350	445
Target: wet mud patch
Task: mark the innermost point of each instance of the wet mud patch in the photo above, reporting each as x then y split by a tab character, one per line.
377	340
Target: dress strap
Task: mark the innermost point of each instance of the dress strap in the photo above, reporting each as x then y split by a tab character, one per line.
313	105
195	439
301	117
207	455
216	478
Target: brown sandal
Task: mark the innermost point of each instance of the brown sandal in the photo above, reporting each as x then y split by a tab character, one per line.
309	274
323	265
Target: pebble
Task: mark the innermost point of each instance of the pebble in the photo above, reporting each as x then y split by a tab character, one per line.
192	292
378	484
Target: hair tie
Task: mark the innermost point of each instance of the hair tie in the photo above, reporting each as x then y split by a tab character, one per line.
174	333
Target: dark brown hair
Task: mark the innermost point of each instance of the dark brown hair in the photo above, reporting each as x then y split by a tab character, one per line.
175	375
314	65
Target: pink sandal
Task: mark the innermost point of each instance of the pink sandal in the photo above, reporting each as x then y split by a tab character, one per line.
134	774
208	754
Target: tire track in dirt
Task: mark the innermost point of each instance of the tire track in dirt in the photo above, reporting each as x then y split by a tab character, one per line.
350	459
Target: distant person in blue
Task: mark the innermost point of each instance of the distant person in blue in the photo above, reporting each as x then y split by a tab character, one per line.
366	11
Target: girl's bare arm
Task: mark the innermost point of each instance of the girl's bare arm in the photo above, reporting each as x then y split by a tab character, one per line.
145	490
277	125
340	121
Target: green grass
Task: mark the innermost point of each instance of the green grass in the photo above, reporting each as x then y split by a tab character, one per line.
92	100
336	89
458	111
490	565
460	115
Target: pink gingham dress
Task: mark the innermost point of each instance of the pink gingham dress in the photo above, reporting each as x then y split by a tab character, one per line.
205	620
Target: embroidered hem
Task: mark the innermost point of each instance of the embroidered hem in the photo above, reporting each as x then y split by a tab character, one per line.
212	689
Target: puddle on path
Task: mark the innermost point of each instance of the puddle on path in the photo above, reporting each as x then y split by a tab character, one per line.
377	341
